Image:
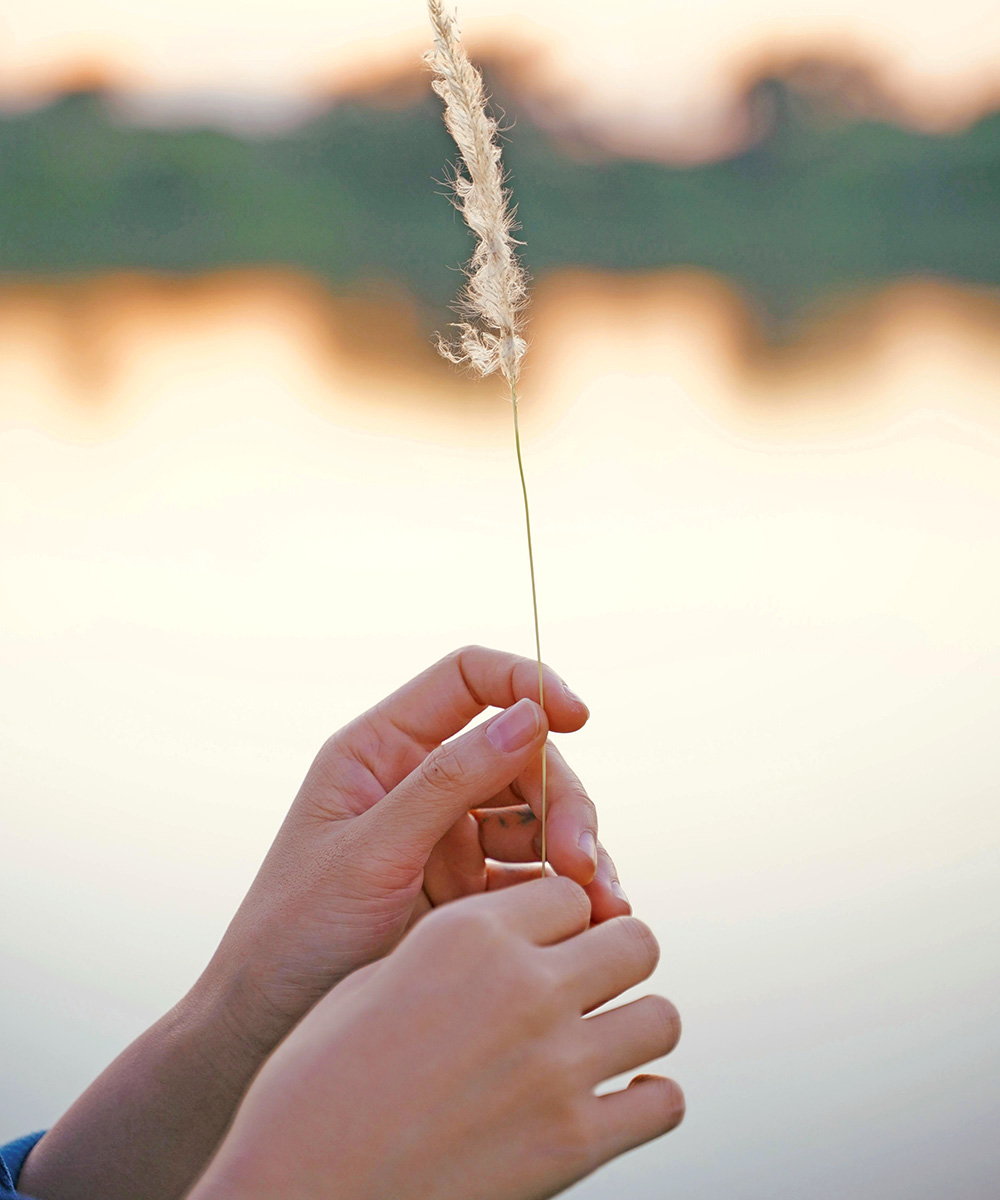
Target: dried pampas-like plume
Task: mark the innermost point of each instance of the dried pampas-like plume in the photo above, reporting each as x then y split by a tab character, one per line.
496	288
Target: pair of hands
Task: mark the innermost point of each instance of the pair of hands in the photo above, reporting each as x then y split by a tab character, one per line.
390	823
459	1063
464	1064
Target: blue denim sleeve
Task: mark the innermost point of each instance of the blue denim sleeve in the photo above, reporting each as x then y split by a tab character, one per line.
12	1158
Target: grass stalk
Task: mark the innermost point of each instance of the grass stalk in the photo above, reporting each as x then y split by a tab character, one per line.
534	609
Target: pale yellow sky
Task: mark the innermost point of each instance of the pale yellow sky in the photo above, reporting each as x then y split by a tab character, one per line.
630	67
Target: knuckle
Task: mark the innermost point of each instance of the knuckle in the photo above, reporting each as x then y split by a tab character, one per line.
473	921
465	662
589	809
577	799
569	1064
330	747
573	897
576	1135
469	650
478	939
443	770
539	989
580	797
448	924
465	655
324	771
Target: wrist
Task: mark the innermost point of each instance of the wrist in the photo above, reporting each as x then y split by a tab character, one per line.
258	988
156	1115
226	1020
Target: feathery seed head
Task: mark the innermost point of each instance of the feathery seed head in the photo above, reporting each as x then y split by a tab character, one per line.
495	292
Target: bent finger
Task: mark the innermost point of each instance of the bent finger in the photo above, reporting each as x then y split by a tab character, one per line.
442	700
607	897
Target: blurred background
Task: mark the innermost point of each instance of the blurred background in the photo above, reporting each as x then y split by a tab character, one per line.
241	499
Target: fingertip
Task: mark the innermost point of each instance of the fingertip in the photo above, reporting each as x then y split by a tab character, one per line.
671	1098
573	866
586	853
573	853
568	712
569	718
617	902
618	892
605	903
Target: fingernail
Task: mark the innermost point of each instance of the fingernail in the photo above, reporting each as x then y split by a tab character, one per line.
588	844
572	696
514	728
619	891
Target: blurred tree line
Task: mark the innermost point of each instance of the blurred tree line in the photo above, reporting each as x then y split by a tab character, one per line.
818	204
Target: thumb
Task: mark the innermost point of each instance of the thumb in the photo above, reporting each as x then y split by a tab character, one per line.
458	776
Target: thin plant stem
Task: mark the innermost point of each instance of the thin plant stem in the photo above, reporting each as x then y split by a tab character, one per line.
534	609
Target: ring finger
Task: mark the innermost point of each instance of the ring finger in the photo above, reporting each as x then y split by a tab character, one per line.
510	835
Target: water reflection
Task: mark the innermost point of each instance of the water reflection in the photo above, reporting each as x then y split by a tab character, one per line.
74	343
234	510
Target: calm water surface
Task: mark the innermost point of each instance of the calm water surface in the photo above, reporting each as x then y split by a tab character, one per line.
234	512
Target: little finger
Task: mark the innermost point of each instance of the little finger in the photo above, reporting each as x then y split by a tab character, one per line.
648	1108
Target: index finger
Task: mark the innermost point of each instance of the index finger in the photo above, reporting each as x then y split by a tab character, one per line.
443	699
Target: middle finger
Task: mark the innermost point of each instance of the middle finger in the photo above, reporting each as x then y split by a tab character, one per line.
607	960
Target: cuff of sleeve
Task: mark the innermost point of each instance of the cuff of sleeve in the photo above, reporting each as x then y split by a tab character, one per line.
14	1154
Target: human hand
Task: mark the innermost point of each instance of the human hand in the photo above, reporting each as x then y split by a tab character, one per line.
462	1067
390	823
387	824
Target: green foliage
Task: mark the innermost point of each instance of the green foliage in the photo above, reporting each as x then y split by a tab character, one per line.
818	205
